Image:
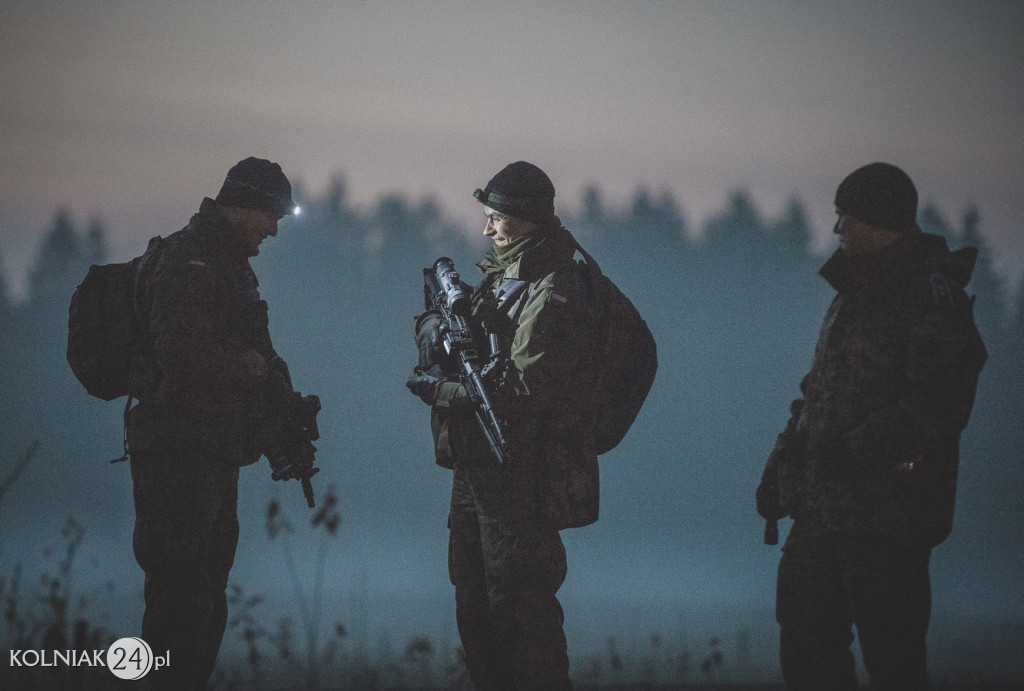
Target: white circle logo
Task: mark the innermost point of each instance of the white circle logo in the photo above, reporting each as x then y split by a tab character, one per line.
130	658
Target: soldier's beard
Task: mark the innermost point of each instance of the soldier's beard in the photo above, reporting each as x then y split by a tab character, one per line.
246	240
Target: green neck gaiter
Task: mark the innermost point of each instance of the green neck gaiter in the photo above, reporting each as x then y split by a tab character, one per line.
498	258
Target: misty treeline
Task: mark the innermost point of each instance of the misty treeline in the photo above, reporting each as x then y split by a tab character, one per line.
735	306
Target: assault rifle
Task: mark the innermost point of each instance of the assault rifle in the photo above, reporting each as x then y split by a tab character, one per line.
294	453
775	492
444	292
288	440
290	418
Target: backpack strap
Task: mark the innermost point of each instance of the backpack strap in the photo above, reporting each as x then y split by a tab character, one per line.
127	408
608	332
141	328
142	263
591	262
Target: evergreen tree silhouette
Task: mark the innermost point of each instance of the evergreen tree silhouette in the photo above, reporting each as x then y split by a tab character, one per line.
736	228
58	268
1015	324
986	283
931	220
656	227
6	303
592	210
8	327
96	250
333	224
792	231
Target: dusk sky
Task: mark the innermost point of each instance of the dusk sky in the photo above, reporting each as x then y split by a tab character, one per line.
132	112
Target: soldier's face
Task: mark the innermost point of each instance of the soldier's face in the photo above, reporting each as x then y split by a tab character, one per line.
504	229
857	237
253	227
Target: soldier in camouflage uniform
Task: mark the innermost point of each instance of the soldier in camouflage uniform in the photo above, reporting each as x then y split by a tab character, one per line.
506	558
206	388
867	464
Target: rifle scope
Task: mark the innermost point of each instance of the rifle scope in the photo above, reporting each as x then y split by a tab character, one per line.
455	294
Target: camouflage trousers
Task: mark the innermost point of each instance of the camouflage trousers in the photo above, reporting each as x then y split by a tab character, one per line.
506	579
186	531
826	586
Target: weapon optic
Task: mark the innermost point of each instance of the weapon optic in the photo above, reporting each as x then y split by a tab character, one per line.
445	292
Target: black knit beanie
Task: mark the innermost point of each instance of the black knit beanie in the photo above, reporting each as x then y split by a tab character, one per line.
881	195
256	183
522	190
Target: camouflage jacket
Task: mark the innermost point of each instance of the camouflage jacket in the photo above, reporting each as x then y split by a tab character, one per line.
872	447
200	386
548	333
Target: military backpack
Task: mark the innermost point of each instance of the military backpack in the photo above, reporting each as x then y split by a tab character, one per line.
626	358
104	332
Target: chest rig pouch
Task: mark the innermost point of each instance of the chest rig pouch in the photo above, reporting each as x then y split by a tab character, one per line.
498	312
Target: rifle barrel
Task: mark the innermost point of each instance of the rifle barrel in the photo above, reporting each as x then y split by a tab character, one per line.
307	490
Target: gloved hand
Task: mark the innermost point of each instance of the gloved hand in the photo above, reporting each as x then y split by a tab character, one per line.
430	328
425	384
294	471
294	463
769	504
769	496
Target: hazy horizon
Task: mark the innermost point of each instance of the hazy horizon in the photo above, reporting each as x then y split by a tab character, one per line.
134	112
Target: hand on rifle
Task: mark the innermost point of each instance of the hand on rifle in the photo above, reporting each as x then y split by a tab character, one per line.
425	384
294	464
430	329
299	467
